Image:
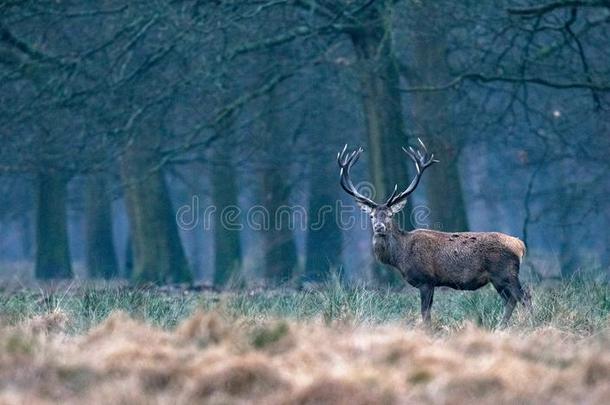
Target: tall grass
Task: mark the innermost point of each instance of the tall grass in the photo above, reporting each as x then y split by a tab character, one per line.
579	307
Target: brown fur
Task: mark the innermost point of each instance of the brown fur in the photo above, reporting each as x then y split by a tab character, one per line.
429	259
461	260
514	244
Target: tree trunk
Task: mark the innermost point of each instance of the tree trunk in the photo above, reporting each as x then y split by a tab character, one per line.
227	245
279	247
324	238
128	269
433	120
280	252
568	260
566	201
382	106
323	243
26	236
444	191
158	253
101	256
52	247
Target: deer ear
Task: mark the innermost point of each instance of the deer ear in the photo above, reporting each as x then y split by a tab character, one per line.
396	208
364	207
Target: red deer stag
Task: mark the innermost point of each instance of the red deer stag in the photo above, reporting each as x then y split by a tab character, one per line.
427	259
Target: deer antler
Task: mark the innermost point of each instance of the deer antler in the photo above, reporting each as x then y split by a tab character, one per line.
346	160
422	162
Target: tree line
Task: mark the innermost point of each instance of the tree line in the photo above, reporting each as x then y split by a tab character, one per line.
249	101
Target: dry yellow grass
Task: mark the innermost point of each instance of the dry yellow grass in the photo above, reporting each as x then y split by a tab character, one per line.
207	359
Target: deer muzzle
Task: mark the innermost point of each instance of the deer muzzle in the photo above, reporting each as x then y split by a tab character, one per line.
379	228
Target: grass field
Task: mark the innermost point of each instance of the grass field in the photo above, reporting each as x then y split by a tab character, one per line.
329	345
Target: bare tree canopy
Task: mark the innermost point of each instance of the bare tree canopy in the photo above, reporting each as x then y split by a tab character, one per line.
201	137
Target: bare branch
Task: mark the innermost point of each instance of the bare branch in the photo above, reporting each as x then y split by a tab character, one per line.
547	8
477	77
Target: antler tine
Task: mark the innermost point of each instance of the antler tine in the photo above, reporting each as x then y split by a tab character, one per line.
421	161
410	152
355	156
422	145
431	155
424	160
340	155
346	161
413	155
393	192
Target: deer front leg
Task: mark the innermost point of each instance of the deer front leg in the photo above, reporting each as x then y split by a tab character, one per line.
426	293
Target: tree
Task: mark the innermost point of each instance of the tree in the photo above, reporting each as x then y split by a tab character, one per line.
101	255
323	243
382	106
433	120
280	254
158	253
381	99
278	245
52	245
227	244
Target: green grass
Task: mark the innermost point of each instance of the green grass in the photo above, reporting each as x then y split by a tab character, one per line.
578	307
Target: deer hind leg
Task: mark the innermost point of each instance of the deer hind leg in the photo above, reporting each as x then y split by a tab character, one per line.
509	299
426	294
511	293
522	295
509	306
516	289
525	296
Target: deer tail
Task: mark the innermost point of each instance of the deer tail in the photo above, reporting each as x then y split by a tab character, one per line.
515	245
519	248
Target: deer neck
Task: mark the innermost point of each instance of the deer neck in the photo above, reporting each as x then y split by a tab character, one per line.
387	247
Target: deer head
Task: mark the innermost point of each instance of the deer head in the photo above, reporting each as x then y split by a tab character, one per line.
381	214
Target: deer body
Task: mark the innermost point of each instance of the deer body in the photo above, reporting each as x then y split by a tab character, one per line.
428	259
463	261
